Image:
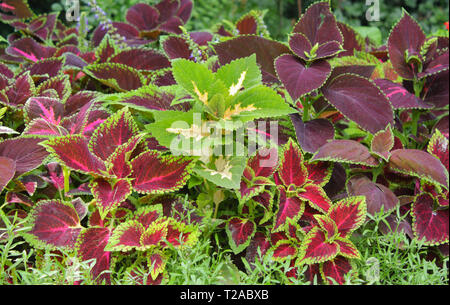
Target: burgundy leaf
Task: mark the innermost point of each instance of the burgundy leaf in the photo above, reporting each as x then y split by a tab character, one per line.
143	16
405	40
266	51
126	236
299	78
346	151
382	143
118	76
420	164
125	30
318	24
240	232
141	59
399	97
435	90
259	241
360	100
284	250
247	25
177	47
351	42
29	49
91	245
7	171
311	135
55	223
319	172
184	10
377	195
16	95
25	152
429	225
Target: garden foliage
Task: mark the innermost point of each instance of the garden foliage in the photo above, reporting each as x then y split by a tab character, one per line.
122	146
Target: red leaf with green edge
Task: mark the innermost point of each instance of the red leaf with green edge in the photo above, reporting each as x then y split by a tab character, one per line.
264	162
437	63
319	172
180	234
148	214
185	10
126	236
6	71
141	59
49	109
157	263
91	244
377	195
41	127
17	94
300	45
29	49
7	171
61	84
240	232
247	190
283	250
153	236
382	143
347	248
55	224
298	78
335	269
312	274
318	24
109	196
327	225
149	98
316	197
360	100
73	151
43	26
259	241
117	130
345	151
119	163
399	97
247	25
313	134
289	208
27	153
348	214
106	49
315	248
143	16
154	174
351	40
430	225
127	31
404	44
436	90
117	76
417	163
266	51
78	100
292	169
177	47
19	8
438	147
46	68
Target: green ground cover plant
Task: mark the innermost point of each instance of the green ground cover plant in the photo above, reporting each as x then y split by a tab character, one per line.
144	152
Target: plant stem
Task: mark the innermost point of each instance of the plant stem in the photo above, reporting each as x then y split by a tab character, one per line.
306	105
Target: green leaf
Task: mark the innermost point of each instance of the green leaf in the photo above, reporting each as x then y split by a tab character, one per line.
225	172
231	73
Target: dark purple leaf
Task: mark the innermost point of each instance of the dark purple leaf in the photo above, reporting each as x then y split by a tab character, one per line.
312	134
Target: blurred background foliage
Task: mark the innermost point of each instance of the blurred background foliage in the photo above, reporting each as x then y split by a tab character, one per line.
280	14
